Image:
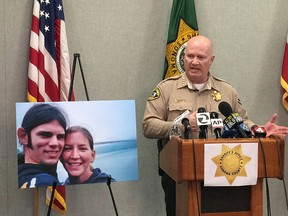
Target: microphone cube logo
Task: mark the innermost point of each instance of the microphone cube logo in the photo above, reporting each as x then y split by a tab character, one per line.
182	116
232	120
217	123
203	119
237	117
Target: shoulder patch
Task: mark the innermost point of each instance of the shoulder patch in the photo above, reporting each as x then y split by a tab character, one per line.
155	95
176	77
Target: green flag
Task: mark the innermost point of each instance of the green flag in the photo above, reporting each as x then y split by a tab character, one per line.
182	26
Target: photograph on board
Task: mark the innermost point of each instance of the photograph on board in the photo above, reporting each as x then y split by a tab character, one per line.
76	142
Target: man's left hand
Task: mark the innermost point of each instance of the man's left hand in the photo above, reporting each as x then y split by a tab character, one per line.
272	128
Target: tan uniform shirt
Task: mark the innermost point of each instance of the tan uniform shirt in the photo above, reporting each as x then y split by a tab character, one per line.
173	96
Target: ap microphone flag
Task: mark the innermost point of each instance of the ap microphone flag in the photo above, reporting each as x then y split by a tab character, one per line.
216	124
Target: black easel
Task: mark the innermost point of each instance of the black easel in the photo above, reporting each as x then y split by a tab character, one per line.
111	193
77	56
51	198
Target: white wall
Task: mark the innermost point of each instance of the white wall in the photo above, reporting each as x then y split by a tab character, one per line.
122	47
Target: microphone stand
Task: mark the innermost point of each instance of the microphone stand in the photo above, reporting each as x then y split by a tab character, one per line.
202	133
187	132
51	198
217	132
111	193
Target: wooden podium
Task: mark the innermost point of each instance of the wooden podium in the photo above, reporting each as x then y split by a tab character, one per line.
177	160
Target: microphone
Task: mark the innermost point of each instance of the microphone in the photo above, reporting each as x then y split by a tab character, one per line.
258	131
186	124
216	124
232	133
185	114
232	120
246	129
203	120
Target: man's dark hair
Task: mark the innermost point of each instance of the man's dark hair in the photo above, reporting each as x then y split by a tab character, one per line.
40	114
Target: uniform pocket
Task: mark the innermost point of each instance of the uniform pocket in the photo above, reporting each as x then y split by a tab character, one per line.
177	107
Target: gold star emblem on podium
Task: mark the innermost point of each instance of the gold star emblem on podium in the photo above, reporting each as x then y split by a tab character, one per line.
231	163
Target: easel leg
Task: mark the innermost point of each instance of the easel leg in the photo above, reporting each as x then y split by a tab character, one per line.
36	191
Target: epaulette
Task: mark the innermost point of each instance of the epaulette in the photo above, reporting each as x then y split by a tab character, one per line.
222	80
171	78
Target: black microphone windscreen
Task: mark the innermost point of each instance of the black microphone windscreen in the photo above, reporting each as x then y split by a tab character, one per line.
185	121
213	115
201	110
225	108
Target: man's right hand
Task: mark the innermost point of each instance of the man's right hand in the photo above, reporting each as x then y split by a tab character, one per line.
193	122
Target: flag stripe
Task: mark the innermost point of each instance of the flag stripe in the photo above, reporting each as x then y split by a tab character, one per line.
284	77
64	66
35	25
59	199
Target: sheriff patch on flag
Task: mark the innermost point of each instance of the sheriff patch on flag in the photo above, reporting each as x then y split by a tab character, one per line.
234	164
182	26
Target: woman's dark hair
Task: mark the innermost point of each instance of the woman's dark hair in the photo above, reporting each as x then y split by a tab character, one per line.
84	131
40	114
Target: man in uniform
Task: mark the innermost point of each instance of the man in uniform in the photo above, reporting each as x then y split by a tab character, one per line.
194	89
42	136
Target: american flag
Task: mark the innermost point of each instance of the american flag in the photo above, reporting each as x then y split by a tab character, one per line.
284	77
49	73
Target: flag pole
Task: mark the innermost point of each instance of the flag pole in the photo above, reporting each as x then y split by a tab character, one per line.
36	190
